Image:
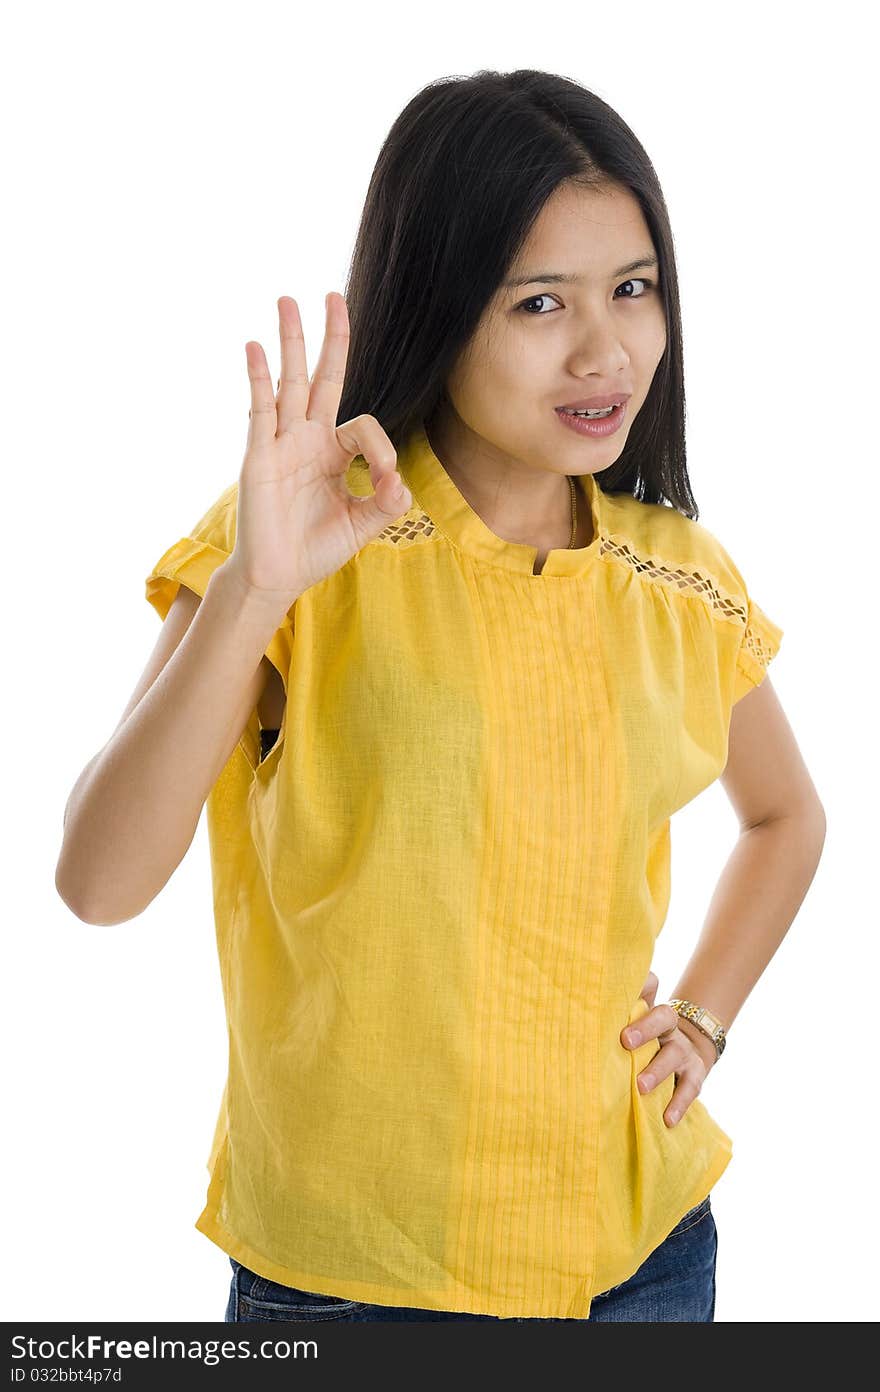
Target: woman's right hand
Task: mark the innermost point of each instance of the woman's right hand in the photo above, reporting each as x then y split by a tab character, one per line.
297	522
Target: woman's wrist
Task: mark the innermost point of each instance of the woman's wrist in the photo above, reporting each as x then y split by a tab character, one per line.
703	1044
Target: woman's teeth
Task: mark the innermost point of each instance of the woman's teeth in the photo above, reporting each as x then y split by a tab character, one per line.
606	411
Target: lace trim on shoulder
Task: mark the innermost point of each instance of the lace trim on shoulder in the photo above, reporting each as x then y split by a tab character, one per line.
416	527
754	644
412	527
697	582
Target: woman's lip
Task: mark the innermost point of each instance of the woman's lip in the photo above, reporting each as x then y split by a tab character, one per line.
598	403
595	429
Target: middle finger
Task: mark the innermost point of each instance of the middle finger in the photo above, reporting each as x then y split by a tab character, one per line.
326	390
293	384
669	1057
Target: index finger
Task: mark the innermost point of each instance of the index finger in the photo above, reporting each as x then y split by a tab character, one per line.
662	1019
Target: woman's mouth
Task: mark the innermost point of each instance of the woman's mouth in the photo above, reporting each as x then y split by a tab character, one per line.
593	425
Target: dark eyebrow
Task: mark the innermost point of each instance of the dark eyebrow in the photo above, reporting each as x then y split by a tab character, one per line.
551	277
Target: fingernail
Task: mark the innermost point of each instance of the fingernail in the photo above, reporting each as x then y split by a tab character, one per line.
397	490
646	1080
673	1117
634	1036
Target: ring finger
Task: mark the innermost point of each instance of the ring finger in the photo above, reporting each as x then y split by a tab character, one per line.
687	1088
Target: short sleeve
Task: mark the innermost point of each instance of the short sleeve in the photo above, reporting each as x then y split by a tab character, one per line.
192	560
760	643
745	638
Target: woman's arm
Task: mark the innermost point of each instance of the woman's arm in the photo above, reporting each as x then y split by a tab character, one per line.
135	807
771	867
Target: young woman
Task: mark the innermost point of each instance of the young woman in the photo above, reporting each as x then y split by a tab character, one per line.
443	662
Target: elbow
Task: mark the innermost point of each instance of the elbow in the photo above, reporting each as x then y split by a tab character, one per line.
806	821
78	907
65	892
816	822
95	917
810	815
89	911
811	823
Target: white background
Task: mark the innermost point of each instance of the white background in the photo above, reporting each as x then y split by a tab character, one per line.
169	171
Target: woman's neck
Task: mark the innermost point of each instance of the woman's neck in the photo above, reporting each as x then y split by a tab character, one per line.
516	502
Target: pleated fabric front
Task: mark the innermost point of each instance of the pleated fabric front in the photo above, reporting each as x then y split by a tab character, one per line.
436	901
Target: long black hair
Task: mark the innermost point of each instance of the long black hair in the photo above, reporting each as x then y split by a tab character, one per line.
461	177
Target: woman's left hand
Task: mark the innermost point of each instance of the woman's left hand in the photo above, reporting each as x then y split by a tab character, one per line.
684	1050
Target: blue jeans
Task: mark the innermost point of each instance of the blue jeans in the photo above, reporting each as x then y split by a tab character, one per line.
674	1284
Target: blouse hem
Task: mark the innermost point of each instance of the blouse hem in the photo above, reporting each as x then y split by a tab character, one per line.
208	1223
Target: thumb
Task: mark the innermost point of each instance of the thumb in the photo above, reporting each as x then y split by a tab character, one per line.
371	515
649	990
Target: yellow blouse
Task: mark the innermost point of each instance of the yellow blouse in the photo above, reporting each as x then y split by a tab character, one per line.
436	900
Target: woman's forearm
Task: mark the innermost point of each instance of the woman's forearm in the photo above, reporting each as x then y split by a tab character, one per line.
761	888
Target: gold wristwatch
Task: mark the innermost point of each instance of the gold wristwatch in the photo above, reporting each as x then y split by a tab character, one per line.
704	1020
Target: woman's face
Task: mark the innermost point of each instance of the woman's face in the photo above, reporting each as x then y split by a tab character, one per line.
545	344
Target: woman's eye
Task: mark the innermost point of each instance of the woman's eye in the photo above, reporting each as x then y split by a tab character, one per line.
533	300
536	299
648	284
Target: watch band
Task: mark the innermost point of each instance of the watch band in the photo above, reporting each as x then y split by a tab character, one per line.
704	1020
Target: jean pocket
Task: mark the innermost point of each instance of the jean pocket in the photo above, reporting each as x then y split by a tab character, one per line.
693	1215
260	1299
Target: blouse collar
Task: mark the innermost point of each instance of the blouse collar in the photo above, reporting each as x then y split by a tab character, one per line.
436	493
